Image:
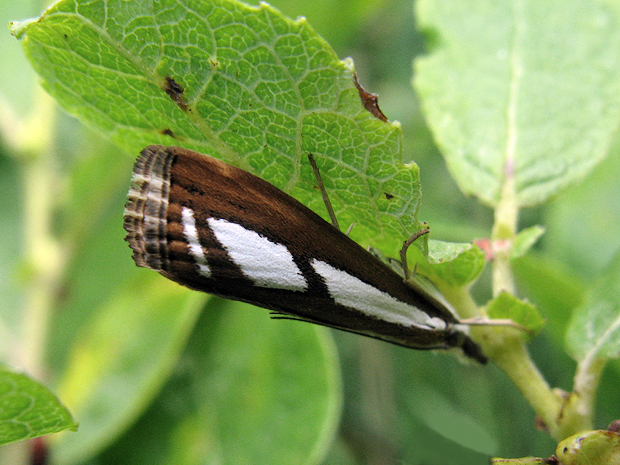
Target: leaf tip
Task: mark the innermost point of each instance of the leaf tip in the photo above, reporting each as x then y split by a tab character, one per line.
18	28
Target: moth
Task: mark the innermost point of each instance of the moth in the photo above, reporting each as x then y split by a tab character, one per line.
216	228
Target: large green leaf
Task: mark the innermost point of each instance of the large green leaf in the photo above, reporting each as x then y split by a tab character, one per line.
594	330
582	224
242	83
120	359
523	95
247	391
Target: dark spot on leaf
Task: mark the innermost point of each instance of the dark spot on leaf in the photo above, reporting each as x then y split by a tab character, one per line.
388	196
175	92
173	86
370	101
171	133
65	36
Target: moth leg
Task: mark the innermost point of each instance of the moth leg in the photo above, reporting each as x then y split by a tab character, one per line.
319	181
403	252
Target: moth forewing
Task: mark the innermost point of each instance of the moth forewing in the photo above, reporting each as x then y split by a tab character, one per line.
219	229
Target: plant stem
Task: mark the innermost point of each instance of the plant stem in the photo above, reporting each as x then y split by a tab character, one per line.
579	409
32	143
504	230
44	260
504	345
506	348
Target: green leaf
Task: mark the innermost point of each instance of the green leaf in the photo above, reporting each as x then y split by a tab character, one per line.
594	329
582	224
28	409
453	263
443	417
507	306
525	240
520	94
551	288
121	358
248	389
246	85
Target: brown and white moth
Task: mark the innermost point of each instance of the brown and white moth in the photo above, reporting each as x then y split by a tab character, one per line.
219	229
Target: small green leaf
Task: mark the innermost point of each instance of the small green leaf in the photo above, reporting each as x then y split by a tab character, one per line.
525	240
594	330
524	94
455	264
28	409
507	306
242	83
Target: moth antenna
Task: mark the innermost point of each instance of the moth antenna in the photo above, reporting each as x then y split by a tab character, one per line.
350	228
403	252
284	316
280	316
319	181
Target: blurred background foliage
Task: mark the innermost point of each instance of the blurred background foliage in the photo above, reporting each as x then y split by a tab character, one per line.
400	406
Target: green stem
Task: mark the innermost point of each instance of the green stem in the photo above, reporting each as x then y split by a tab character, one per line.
504	232
505	347
44	260
461	300
32	143
579	409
